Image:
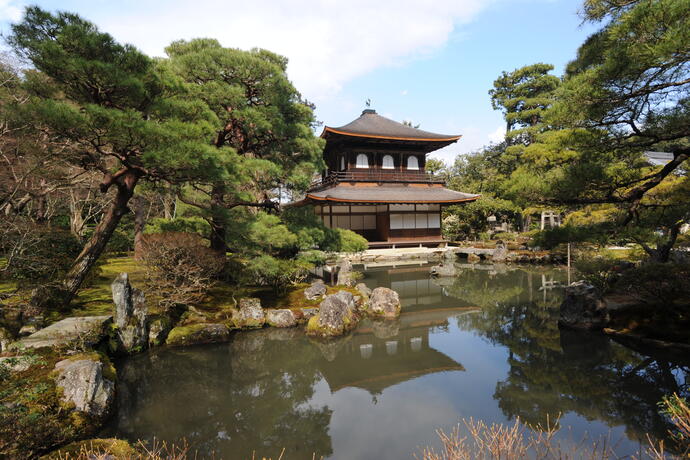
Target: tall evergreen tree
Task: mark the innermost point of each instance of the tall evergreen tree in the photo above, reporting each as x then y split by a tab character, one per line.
127	120
259	117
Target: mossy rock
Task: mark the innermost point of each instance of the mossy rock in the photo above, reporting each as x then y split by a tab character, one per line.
96	448
198	333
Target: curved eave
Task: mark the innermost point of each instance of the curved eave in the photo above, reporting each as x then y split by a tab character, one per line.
339	200
327	130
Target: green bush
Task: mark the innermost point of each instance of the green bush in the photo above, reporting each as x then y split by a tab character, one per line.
196	225
665	284
276	273
601	272
351	241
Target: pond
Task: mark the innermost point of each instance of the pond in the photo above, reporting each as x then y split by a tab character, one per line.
484	344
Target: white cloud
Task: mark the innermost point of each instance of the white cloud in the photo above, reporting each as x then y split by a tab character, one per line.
11	10
498	135
403	92
328	42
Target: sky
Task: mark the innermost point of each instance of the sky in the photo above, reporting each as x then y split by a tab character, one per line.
429	62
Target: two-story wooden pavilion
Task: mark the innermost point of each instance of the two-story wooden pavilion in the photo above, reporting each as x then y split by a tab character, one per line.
375	183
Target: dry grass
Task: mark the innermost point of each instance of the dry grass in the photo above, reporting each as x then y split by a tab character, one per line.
519	440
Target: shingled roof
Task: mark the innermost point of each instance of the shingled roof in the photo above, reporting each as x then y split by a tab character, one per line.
390	193
372	125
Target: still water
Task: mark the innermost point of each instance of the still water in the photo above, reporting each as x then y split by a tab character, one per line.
484	344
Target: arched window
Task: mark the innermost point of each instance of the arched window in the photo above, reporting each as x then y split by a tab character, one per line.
342	163
388	162
412	162
362	161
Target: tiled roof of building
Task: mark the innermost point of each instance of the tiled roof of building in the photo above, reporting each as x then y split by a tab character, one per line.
390	193
372	125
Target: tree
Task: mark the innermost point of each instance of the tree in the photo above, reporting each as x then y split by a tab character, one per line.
125	118
628	91
259	117
524	95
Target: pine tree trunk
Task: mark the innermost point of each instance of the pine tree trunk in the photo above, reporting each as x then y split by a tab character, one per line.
94	247
218	221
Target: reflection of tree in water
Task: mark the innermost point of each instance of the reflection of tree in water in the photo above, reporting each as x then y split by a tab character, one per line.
556	371
228	399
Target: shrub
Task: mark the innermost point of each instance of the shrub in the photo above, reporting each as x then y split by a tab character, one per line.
36	253
276	273
179	267
678	411
601	272
196	225
659	283
351	241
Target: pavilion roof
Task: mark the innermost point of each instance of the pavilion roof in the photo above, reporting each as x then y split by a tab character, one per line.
374	126
389	193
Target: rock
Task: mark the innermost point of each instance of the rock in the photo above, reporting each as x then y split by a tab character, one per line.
5	339
473	258
345	274
250	314
15	363
309	312
197	334
84	384
500	253
159	328
87	330
443	270
281	318
108	449
450	255
130	315
336	316
27	330
316	291
583	307
384	302
363	289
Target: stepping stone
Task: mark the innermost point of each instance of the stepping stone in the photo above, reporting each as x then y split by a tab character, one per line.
89	329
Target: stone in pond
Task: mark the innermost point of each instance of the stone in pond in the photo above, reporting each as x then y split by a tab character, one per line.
337	315
384	302
363	289
281	318
250	314
583	307
197	334
129	315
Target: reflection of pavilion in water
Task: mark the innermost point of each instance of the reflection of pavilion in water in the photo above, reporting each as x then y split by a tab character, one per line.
380	354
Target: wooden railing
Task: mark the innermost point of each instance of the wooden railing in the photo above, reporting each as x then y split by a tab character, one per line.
376	175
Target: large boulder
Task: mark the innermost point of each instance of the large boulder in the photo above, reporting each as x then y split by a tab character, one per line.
87	383
443	270
250	314
316	291
197	334
129	315
583	307
346	276
281	318
159	327
86	331
337	315
384	302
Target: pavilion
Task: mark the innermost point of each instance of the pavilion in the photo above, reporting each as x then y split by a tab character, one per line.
375	183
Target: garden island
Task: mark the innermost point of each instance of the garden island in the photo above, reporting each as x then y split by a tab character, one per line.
189	270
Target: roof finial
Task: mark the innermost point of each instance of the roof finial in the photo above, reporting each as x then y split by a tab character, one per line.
367	103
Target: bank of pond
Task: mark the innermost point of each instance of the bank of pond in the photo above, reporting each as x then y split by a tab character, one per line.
484	344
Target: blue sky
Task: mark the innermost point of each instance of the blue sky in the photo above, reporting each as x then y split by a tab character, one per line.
431	62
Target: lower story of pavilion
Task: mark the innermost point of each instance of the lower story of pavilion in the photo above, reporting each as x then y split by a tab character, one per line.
389	214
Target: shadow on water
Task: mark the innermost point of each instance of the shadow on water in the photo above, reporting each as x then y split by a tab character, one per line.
484	344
